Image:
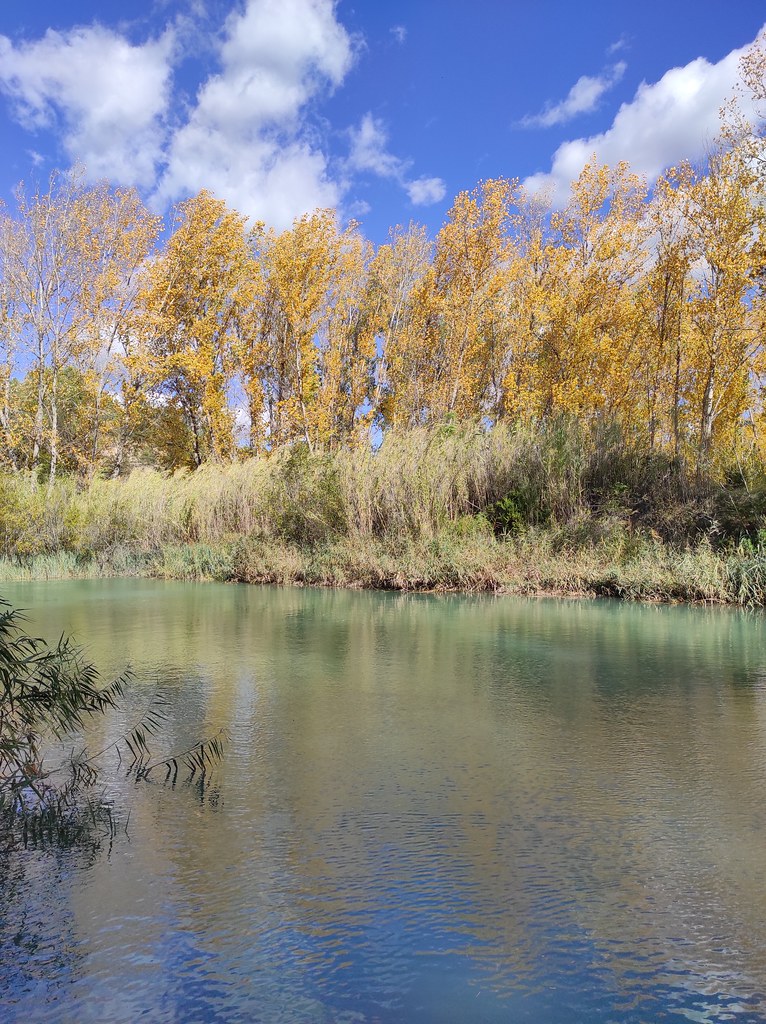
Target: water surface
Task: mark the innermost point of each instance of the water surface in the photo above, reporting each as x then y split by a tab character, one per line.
431	809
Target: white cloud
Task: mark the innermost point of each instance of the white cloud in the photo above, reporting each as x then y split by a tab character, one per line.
250	135
582	98
358	208
668	121
424	191
399	32
277	54
108	97
247	139
369	152
266	179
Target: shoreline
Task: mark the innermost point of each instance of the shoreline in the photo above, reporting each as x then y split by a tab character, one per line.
523	567
553	510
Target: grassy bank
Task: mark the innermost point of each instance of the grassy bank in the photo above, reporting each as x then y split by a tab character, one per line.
533	565
559	510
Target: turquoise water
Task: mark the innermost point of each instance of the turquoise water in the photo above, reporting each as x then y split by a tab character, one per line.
431	809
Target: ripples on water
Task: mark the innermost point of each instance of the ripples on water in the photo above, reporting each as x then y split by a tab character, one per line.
431	810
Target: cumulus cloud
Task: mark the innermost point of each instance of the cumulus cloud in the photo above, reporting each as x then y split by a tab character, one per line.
369	153
667	121
266	179
106	96
582	98
251	133
424	191
246	138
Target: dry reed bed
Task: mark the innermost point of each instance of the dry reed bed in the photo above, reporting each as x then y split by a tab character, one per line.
547	509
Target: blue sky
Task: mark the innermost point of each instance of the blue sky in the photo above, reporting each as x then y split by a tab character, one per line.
384	110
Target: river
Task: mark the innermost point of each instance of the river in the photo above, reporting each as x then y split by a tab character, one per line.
431	809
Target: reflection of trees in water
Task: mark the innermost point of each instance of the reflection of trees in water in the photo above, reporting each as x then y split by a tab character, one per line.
516	782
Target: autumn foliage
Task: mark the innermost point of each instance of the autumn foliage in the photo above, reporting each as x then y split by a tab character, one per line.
124	342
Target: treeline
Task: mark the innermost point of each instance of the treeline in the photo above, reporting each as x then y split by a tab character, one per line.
122	344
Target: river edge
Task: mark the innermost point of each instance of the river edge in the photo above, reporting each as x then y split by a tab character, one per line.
647	571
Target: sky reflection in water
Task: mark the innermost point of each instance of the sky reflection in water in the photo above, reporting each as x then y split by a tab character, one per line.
431	809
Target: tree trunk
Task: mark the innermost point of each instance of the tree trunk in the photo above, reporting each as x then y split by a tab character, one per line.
301	401
706	421
94	442
5	421
196	433
37	444
54	428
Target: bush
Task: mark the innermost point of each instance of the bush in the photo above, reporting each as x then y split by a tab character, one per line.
306	498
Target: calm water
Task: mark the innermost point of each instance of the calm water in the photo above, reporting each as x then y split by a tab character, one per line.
431	809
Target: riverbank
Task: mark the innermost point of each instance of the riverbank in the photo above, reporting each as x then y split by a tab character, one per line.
637	569
556	509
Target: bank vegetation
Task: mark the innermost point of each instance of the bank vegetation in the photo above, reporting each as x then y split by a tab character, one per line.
556	508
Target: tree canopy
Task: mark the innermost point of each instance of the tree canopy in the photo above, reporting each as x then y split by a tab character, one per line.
123	346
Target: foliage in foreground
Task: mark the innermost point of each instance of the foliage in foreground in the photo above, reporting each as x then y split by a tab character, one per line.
47	694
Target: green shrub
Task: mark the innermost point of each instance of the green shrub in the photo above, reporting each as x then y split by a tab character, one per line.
746	579
306	498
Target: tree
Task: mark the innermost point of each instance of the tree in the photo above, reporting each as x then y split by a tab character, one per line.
76	413
118	235
518	382
307	357
346	349
69	265
742	132
46	275
10	329
727	245
469	273
396	281
589	353
661	296
194	296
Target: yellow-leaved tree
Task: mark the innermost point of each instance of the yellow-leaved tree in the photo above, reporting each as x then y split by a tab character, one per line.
347	353
118	234
661	295
70	261
396	280
308	355
467	279
195	295
589	353
519	374
726	230
47	274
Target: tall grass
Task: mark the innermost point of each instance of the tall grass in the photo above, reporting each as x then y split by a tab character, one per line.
558	506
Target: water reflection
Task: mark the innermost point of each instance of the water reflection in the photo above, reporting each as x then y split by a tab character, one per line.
431	809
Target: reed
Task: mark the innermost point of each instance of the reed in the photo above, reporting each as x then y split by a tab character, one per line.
553	507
